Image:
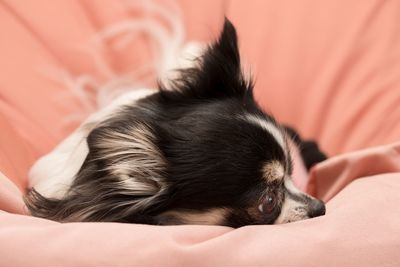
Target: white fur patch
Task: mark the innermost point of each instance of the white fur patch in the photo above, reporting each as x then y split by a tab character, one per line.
53	174
135	158
270	128
291	210
131	185
291	187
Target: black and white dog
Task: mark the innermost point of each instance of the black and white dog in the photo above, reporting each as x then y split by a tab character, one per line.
198	152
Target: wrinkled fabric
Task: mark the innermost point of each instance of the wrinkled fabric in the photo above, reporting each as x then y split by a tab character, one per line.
348	235
328	68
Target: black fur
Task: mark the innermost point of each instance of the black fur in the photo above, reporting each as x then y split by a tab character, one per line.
211	157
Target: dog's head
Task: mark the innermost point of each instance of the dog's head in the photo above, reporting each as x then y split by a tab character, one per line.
199	152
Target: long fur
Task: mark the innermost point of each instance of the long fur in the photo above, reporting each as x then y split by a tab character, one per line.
199	150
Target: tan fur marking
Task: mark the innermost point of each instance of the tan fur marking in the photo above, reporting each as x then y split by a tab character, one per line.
212	217
273	171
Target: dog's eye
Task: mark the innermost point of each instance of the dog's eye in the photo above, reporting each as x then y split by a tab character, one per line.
268	205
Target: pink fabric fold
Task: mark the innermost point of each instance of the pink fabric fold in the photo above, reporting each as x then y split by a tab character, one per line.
329	68
346	236
331	176
360	228
10	196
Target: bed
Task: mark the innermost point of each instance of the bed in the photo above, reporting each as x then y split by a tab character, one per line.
329	68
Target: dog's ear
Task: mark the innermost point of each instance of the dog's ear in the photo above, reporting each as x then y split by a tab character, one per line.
133	167
218	71
121	177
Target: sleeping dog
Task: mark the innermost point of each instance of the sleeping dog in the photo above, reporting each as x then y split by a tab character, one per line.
196	151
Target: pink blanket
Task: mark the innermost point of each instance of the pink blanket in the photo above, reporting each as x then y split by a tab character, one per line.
361	228
330	68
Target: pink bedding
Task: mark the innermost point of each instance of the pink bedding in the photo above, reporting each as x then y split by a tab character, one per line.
330	68
361	228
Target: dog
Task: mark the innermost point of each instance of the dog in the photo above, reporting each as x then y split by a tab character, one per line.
199	150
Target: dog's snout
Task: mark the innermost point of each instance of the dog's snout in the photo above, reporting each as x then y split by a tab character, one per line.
316	208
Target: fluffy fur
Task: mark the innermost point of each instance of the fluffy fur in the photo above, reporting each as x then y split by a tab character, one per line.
200	151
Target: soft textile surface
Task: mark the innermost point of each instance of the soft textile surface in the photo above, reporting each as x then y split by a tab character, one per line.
361	228
331	68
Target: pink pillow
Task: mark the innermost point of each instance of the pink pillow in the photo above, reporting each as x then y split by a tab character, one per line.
15	156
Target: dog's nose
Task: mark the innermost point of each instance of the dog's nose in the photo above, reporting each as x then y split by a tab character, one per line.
316	208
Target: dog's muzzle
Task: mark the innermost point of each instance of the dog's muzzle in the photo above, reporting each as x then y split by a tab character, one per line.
316	208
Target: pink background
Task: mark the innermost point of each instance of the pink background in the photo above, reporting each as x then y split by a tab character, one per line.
330	68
